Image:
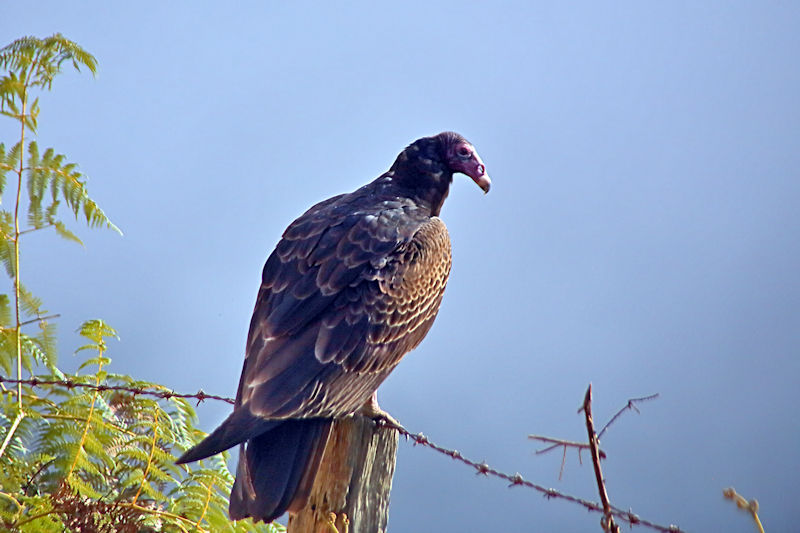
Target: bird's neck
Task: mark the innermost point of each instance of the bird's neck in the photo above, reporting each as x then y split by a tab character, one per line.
435	197
427	185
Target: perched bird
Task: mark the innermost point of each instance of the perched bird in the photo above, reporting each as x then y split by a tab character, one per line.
354	284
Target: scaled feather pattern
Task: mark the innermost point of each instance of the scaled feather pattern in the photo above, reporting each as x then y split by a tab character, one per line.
353	285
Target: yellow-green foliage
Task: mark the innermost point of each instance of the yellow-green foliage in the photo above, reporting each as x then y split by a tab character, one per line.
80	458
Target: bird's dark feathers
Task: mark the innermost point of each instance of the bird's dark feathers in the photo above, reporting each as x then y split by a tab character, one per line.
353	285
274	466
352	303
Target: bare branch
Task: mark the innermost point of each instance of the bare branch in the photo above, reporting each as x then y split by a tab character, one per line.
608	519
31	230
630	405
560	443
557	443
40	319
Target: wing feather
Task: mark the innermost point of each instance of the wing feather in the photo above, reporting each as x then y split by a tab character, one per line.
343	298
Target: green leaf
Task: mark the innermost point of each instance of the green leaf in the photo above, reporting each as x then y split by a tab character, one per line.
5	310
96	330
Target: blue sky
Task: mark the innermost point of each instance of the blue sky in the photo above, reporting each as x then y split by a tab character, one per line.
642	232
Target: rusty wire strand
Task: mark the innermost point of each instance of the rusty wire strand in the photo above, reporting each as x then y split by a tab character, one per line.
515	480
200	396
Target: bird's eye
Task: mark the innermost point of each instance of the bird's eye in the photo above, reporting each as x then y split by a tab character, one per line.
463	151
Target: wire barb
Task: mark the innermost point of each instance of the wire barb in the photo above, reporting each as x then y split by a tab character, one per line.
69	384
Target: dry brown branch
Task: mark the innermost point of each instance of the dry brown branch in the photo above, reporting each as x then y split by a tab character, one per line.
558	443
40	319
607	523
561	443
515	480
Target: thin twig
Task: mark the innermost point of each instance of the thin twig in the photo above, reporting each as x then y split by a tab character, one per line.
11	430
558	443
561	443
40	319
31	230
608	519
17	289
515	480
630	405
205	506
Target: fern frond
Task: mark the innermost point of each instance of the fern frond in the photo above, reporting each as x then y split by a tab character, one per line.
46	340
31	304
83	488
96	330
5	310
7	257
63	180
63	232
33	350
12	88
13	157
41	59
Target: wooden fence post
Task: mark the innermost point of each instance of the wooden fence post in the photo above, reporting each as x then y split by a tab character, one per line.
353	482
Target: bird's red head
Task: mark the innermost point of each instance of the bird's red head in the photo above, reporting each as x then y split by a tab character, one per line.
425	168
462	157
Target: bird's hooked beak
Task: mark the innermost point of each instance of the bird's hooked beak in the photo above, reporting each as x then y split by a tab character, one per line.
470	164
481	178
475	169
462	157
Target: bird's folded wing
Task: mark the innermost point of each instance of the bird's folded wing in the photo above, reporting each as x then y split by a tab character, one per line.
342	300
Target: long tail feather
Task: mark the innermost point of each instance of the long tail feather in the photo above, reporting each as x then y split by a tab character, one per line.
237	428
276	469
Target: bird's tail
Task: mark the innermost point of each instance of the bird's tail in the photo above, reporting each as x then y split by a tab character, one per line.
240	426
276	469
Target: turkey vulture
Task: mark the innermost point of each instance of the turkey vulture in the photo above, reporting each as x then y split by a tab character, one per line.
353	285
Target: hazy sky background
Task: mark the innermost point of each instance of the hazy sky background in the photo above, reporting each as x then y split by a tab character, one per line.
642	232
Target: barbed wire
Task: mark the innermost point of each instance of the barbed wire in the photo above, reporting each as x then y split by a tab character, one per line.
200	396
515	480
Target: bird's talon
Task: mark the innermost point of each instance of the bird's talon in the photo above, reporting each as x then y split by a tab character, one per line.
372	410
384	419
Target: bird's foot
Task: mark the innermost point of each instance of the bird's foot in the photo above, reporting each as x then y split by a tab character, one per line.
372	410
